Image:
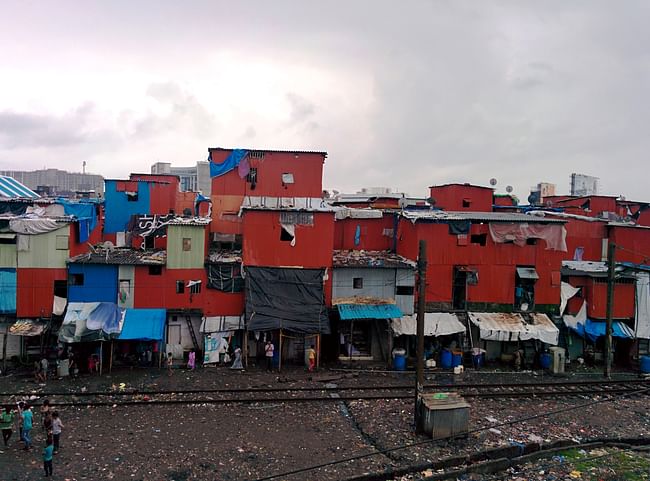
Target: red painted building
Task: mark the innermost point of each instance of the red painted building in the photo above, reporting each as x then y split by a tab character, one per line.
462	197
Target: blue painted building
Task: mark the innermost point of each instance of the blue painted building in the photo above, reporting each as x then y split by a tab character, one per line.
122	200
92	283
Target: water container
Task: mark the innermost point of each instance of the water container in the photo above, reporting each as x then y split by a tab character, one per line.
545	360
645	364
478	360
457	359
445	359
399	362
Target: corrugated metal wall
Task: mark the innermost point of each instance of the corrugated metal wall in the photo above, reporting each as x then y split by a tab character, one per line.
178	254
8	255
44	250
99	283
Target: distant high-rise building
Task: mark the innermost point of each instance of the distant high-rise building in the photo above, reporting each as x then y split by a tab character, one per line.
582	184
193	179
58	182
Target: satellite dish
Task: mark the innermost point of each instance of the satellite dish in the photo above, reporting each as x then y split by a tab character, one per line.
493	181
549	203
509	189
402	203
431	201
108	245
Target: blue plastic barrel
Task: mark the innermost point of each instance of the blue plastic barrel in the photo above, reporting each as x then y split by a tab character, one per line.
478	360
645	364
546	360
399	362
457	359
445	359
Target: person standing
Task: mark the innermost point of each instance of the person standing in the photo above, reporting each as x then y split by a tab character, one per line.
28	420
268	352
48	450
6	424
191	360
170	364
57	426
311	357
45	365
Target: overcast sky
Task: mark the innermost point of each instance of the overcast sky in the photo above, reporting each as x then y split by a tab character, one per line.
400	94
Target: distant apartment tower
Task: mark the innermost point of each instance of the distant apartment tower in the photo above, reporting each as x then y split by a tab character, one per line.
58	182
192	179
582	185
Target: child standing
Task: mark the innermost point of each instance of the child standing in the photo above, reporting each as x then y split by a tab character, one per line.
191	361
170	363
47	457
6	424
311	357
56	430
28	419
268	352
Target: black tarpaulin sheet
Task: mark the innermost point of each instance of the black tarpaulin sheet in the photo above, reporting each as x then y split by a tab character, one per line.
290	299
225	277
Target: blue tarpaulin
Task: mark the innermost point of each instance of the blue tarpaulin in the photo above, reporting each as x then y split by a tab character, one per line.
85	214
143	325
7	291
595	329
90	321
369	311
231	163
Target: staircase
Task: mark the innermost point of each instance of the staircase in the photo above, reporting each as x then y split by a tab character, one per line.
190	328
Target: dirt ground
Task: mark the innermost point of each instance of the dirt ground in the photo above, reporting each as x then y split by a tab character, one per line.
249	442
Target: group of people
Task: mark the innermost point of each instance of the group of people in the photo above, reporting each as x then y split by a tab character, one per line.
23	416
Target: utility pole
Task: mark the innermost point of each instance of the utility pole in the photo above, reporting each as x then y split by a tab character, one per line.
611	273
422	289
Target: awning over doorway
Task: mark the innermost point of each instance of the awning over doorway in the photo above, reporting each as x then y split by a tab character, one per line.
143	325
527	273
506	326
435	324
221	324
368	311
592	330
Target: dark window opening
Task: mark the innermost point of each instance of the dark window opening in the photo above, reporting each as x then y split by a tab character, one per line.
603	280
149	242
132	196
60	288
466	203
8	240
76	279
480	239
285	236
404	290
195	288
251	177
256	154
524	292
357	283
531	241
180	287
155	270
459	288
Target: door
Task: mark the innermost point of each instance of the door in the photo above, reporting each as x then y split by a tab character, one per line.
459	288
174	334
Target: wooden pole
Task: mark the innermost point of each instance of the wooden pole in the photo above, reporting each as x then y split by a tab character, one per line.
110	361
101	357
611	273
4	350
280	353
419	378
317	350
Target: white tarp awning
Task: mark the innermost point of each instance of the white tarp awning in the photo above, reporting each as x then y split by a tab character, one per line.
505	326
221	324
435	324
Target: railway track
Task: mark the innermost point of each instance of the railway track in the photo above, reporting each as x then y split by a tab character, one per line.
333	393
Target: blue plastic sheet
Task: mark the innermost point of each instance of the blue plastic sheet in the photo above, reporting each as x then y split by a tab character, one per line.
592	330
143	325
85	214
231	163
7	291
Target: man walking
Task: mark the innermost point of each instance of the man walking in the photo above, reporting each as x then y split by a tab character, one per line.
268	352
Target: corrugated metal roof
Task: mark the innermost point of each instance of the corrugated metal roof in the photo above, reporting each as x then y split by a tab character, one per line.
120	256
444	216
508	326
363	258
272	151
462	185
369	311
10	188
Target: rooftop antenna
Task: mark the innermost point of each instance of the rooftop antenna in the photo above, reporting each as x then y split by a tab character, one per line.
84	167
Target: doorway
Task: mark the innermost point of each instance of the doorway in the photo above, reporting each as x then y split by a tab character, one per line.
459	288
